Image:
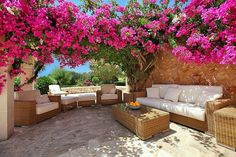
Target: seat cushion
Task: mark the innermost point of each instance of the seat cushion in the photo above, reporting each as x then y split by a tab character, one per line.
180	108
163	88
86	96
30	95
108	89
46	107
153	102
109	96
66	100
153	92
188	110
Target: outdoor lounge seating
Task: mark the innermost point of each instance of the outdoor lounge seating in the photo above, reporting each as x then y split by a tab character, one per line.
186	103
86	99
31	107
71	101
109	95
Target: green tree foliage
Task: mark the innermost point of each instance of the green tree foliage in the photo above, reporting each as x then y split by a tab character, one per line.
17	82
95	80
136	68
105	72
63	77
42	84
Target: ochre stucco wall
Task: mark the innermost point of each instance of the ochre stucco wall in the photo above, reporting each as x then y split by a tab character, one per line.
168	69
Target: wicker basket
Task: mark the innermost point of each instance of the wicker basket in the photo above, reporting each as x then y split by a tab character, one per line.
225	126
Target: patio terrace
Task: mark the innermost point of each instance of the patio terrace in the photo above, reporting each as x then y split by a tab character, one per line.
92	131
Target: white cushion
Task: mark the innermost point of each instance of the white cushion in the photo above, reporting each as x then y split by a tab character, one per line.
153	102
70	98
172	94
190	93
42	99
180	108
59	93
46	107
153	92
207	96
54	88
163	88
66	100
87	96
109	96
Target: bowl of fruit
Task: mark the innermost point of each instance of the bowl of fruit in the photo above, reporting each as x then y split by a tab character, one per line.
134	105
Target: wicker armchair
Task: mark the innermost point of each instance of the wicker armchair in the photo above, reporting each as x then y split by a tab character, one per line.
28	112
109	95
211	107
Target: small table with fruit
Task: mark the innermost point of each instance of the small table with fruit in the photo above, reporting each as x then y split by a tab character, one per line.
144	121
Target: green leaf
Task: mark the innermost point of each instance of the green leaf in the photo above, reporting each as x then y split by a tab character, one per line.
143	21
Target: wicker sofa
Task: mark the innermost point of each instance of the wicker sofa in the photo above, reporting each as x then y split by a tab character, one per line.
109	95
186	109
28	112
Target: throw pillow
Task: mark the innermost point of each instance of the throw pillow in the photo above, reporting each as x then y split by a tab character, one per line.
42	99
153	92
172	94
206	96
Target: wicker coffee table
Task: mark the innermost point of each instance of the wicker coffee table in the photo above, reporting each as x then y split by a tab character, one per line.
144	122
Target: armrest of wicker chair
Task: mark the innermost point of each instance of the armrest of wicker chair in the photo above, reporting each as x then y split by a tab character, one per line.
211	107
55	98
99	95
25	112
119	93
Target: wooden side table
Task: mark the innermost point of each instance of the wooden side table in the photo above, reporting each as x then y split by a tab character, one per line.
128	97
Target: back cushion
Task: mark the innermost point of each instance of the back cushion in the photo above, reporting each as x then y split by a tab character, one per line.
153	93
190	93
42	99
163	88
172	94
108	88
206	96
54	88
30	95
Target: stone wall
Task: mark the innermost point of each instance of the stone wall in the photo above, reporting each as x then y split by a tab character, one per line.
89	89
168	69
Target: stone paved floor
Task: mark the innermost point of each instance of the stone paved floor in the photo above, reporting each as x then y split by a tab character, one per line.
92	132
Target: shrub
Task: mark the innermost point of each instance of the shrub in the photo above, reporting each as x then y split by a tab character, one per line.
42	84
95	81
120	83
